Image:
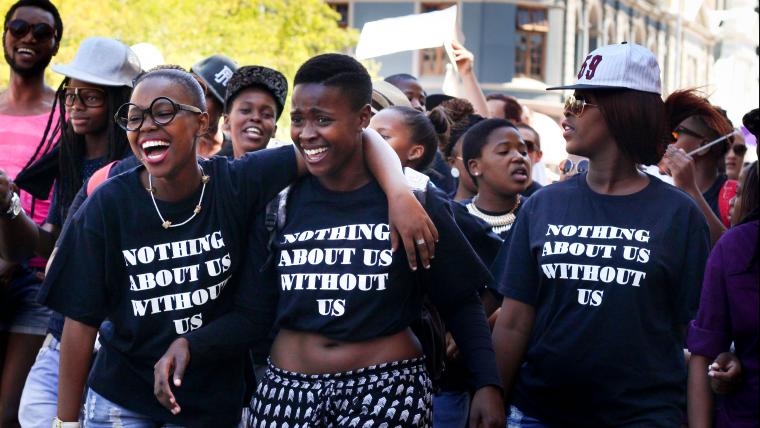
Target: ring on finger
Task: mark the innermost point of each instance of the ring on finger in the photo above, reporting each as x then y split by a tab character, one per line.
420	241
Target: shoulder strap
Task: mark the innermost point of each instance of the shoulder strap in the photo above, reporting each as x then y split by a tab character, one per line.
98	177
274	221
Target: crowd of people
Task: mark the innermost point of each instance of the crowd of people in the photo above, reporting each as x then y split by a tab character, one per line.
164	263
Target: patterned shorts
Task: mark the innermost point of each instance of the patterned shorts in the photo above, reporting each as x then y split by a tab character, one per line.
395	394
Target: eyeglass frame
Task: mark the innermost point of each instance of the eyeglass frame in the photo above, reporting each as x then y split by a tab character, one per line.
79	95
574	166
572	100
684	130
32	27
176	106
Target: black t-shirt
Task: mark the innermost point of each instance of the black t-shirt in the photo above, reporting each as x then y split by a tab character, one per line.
479	234
333	273
534	186
55	324
712	195
56	213
440	174
612	278
117	263
337	275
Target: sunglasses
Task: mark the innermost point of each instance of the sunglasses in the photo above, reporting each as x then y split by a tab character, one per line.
685	131
739	149
90	97
575	106
40	31
162	110
567	166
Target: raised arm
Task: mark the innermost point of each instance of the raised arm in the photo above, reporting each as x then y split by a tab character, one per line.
681	167
472	91
407	217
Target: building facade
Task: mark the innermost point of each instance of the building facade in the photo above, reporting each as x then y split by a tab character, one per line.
522	47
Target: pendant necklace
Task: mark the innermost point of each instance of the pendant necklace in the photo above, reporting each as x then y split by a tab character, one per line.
166	224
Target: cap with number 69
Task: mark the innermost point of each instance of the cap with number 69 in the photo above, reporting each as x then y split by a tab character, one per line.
621	66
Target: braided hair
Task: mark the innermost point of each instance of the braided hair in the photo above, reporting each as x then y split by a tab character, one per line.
72	146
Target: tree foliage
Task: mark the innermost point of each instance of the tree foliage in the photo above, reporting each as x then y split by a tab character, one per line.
280	34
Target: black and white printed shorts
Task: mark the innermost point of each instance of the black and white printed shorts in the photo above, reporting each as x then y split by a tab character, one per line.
395	394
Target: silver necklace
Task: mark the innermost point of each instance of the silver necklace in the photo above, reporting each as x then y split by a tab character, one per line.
499	223
166	224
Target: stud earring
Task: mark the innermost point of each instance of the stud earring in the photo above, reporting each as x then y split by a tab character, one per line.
455	172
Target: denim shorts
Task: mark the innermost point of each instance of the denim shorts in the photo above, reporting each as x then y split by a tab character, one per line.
19	310
99	412
39	401
517	419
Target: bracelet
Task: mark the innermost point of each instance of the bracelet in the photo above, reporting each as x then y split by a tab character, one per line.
57	423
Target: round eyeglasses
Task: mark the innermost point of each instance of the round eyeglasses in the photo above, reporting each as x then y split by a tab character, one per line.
162	111
575	106
41	32
90	97
567	166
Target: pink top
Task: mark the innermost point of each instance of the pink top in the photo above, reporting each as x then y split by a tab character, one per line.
19	138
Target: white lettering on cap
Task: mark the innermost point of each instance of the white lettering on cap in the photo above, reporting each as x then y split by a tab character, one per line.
223	76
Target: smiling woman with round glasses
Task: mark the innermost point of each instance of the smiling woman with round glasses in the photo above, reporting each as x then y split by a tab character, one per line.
598	274
153	252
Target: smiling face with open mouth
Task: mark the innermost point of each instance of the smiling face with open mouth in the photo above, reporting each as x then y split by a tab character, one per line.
27	55
328	132
251	121
166	150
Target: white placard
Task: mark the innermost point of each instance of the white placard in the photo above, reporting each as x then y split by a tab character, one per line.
406	33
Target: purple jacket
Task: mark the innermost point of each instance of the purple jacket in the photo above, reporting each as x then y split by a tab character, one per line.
729	312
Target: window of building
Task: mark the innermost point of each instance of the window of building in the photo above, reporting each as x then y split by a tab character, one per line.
342	9
530	53
433	60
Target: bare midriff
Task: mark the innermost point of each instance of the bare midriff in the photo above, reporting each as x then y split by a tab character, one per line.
311	353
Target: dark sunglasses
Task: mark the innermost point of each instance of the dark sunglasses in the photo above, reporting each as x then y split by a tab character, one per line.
686	131
41	31
739	149
575	106
90	97
567	166
162	110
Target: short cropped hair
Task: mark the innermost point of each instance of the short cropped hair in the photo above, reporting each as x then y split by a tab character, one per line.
512	108
339	71
477	137
400	77
182	78
45	5
636	120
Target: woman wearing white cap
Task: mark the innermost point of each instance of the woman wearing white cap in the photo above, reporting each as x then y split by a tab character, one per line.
601	272
96	83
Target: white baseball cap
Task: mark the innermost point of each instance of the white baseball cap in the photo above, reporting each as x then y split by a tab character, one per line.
102	61
622	66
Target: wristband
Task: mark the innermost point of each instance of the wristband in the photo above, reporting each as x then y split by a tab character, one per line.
57	423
